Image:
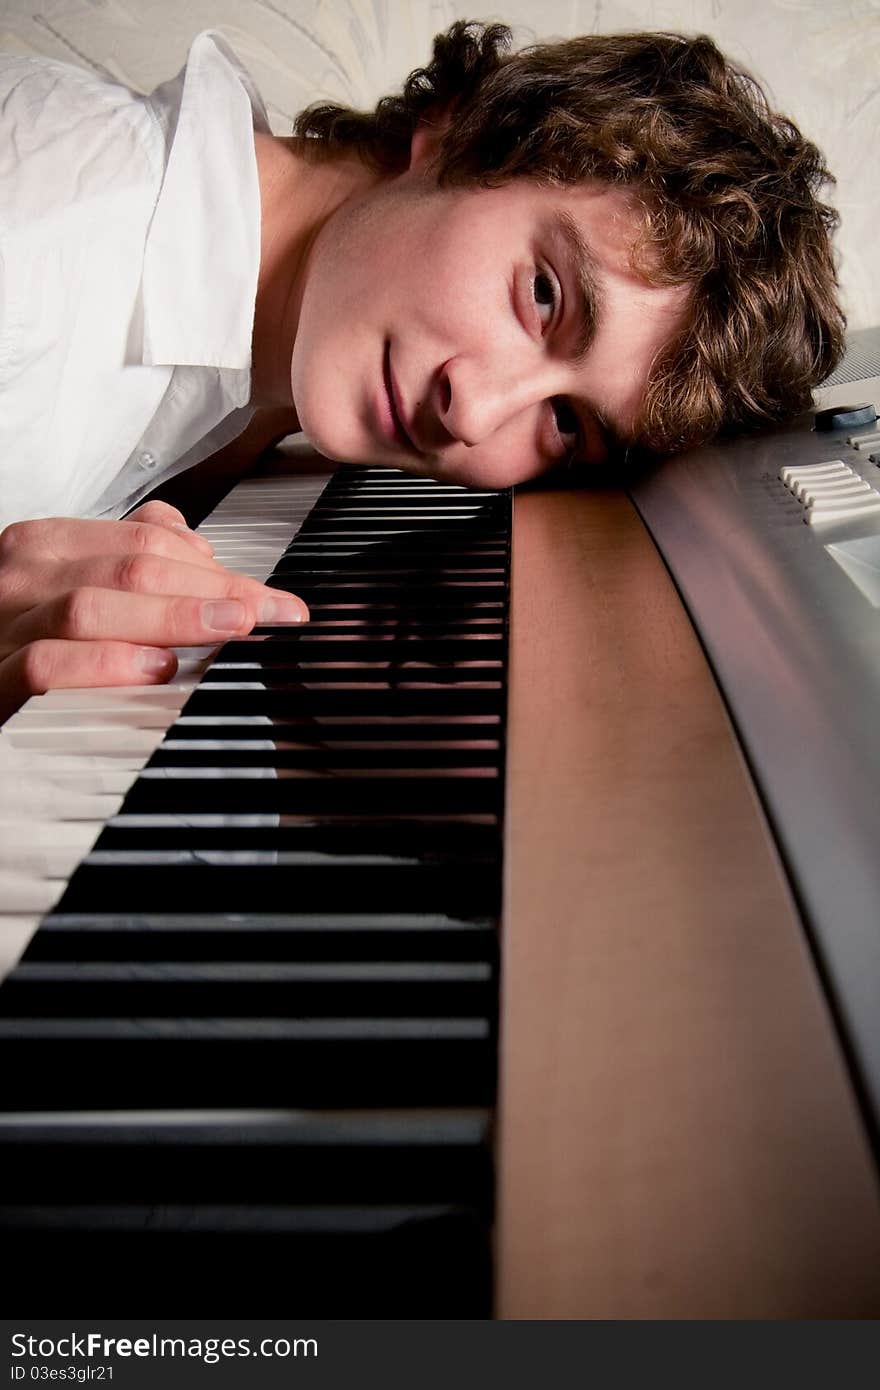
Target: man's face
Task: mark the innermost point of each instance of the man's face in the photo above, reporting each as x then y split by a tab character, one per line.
481	336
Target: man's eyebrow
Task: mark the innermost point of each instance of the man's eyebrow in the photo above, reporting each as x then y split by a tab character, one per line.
583	266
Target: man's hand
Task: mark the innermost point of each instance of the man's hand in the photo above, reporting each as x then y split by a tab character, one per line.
87	603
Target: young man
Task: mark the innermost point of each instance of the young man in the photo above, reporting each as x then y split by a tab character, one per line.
519	263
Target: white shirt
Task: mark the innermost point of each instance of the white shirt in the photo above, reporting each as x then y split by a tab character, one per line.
129	255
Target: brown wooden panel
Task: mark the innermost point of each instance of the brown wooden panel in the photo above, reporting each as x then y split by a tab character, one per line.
677	1134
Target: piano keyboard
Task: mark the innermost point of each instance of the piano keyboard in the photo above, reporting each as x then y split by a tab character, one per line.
260	1022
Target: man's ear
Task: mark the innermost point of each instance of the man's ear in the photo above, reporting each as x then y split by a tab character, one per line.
428	136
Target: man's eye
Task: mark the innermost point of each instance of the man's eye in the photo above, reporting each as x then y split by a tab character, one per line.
544	291
567	422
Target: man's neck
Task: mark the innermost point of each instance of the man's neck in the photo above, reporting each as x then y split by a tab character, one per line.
297	198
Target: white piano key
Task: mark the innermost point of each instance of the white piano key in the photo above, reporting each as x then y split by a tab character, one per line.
87	781
803	472
191	668
44	848
55	862
132	716
16	930
815	496
113	697
36	799
197	820
828	515
65	835
196	653
223	745
52	765
253	525
119	740
25	893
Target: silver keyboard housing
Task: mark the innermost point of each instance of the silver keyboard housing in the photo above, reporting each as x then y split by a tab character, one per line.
794	642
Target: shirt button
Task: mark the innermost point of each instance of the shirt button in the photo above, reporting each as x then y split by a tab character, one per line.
147	461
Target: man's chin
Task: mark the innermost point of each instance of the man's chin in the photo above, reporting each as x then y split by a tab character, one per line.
368	454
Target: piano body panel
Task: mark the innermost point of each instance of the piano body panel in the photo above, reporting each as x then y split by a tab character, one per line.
678	1135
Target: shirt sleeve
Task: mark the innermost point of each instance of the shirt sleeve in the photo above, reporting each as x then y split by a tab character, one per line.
80	171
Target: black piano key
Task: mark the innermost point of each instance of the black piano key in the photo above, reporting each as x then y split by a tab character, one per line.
254	936
306	645
363	571
453	518
452	842
110	886
250	1157
391	675
392	1262
327	757
120	1063
338	730
398	565
242	989
347	620
380	792
341	591
400	701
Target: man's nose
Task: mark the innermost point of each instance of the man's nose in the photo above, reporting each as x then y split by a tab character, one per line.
477	398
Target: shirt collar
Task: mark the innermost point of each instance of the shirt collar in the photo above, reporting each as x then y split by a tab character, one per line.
202	256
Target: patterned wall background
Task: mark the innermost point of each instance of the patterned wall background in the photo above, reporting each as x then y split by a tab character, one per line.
818	59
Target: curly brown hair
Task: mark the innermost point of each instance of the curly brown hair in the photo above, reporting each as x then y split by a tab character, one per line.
727	187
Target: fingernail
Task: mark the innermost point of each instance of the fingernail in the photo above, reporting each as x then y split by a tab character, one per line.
223	615
155	662
282	609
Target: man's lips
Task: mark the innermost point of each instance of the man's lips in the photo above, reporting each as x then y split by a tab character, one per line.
394	401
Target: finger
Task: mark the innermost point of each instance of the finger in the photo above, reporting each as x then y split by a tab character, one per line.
39	544
94	614
56	665
153	574
163	514
158	514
